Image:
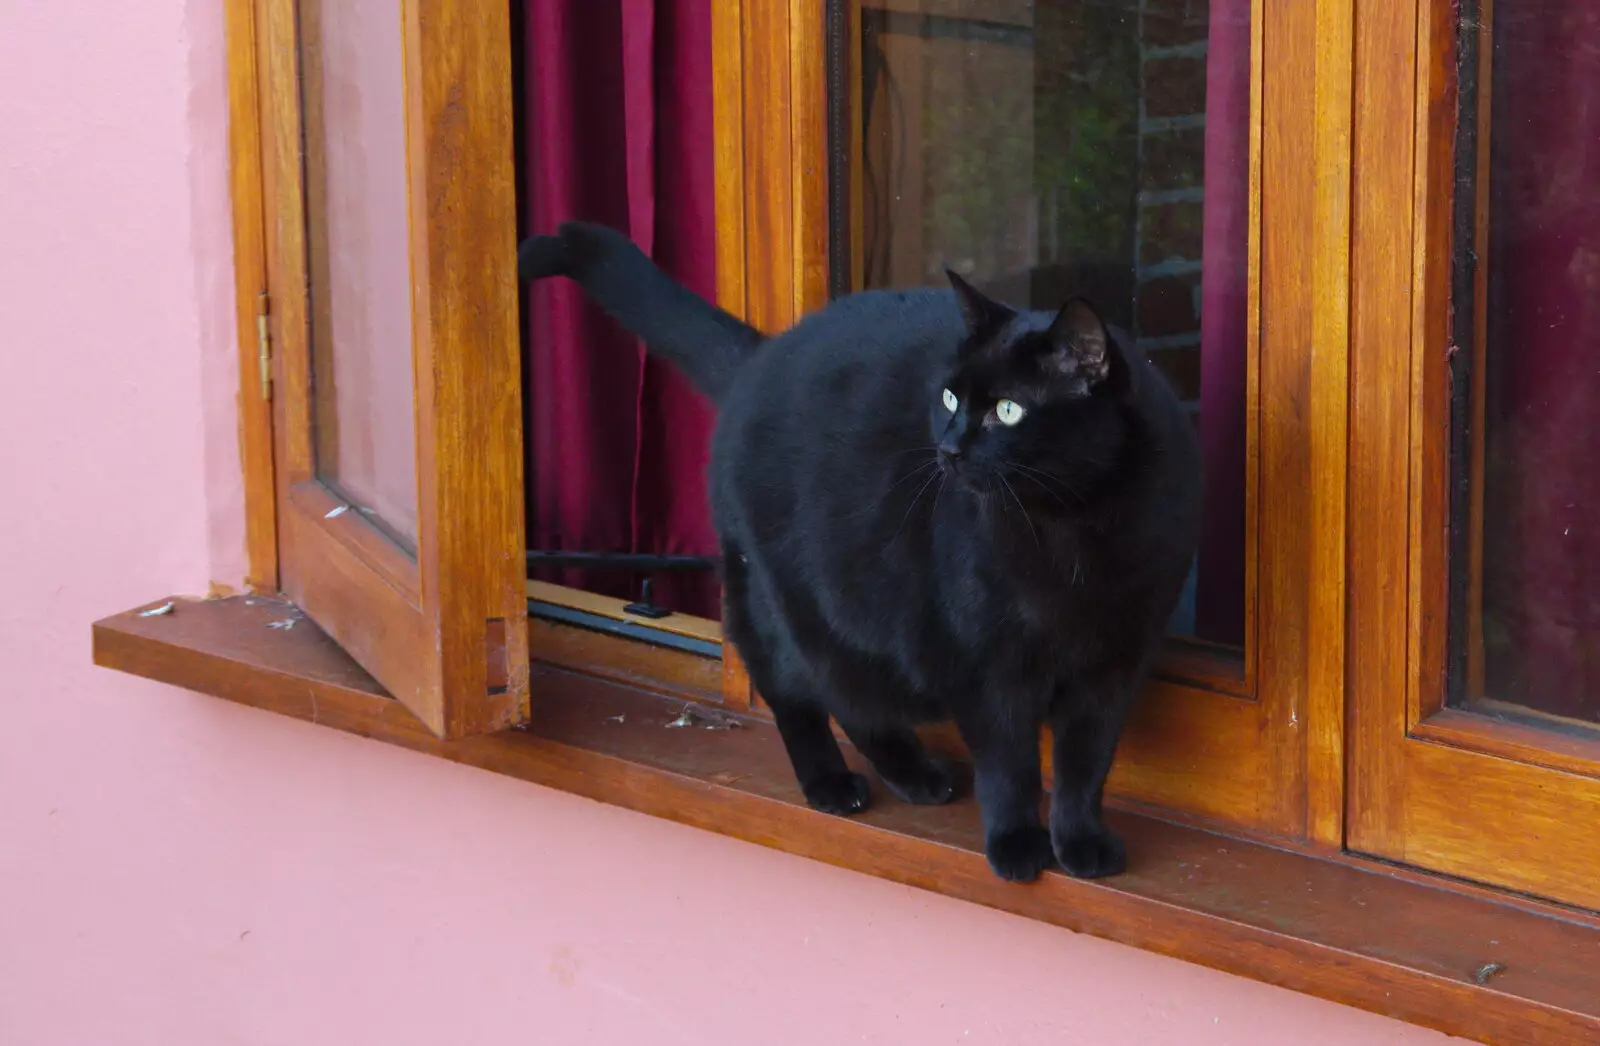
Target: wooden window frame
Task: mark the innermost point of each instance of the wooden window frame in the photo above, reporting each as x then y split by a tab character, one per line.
1416	763
1280	897
444	625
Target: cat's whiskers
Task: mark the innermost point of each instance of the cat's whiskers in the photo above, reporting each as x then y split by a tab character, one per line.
914	472
1043	481
1001	476
937	474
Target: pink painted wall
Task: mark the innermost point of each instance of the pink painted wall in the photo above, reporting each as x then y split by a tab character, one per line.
176	870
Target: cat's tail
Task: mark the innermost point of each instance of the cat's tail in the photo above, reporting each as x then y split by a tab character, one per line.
704	342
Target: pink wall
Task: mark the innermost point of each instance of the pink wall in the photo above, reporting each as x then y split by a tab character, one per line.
177	870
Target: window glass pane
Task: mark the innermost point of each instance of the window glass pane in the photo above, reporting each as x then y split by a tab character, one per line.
1046	148
352	88
1527	406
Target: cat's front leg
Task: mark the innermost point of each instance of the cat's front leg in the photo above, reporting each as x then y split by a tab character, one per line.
1087	720
1005	757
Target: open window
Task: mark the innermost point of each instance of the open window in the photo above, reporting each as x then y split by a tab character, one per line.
1361	239
1156	160
389	314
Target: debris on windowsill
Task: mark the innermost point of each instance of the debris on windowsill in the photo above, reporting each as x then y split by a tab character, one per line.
335	512
727	779
1487	970
161	611
283	623
616	718
705	719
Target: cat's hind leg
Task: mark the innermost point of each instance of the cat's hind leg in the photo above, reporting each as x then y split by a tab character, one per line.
828	784
901	760
780	677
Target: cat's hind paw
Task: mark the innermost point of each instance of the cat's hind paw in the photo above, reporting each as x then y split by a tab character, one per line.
841	793
933	783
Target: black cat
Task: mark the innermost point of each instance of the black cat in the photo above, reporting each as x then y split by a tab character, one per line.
933	506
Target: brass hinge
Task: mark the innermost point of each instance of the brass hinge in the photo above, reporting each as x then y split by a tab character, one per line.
264	343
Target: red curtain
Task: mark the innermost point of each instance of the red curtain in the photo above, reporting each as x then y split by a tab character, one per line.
617	97
1542	504
1219	588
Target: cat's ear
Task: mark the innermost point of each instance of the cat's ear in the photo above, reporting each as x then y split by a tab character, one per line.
982	313
1082	348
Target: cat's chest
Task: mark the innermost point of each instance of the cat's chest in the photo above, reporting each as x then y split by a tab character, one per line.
1060	585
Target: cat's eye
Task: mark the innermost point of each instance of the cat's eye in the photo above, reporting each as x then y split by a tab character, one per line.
1009	412
951	401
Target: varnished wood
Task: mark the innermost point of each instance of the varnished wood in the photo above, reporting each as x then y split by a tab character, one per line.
607	606
1517	735
737	690
1398	945
316	506
425	621
1497	820
661	670
1328	409
250	284
769	208
808	122
1386	78
727	100
1465	794
1206	666
469	366
1293	358
783	88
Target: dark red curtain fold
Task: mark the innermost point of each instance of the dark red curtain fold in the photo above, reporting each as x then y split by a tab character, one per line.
618	110
1542	506
1219	589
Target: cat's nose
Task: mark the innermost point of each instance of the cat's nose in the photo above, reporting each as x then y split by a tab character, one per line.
950	452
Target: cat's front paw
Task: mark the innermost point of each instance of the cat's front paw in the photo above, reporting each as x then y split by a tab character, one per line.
931	783
1020	854
842	793
1089	853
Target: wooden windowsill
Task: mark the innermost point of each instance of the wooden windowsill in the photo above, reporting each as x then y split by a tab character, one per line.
1392	942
